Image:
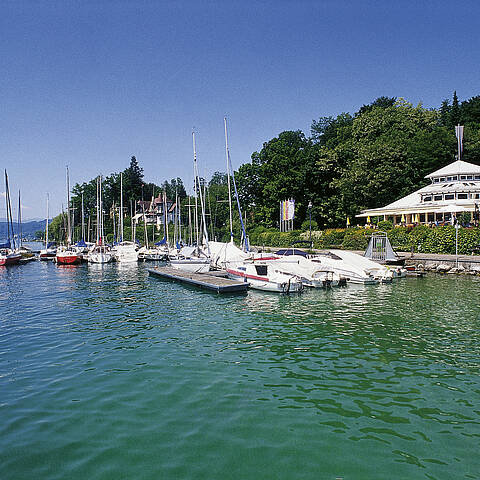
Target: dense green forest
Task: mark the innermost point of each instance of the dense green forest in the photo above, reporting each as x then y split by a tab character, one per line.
353	162
346	164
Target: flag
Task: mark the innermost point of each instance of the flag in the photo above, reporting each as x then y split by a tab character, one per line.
459	135
287	209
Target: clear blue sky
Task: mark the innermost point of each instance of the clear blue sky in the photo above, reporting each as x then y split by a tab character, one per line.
90	83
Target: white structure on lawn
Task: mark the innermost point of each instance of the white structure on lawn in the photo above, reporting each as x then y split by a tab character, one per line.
453	189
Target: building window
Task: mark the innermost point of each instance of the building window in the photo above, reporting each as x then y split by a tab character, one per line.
462	196
438	197
442	179
463	177
427	199
455	177
476	196
469	177
436	180
477	177
449	196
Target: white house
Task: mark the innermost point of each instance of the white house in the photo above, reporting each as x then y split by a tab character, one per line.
153	212
453	189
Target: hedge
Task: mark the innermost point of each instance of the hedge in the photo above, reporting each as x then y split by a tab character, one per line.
419	239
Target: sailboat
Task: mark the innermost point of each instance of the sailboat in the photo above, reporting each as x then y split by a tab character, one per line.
124	251
195	259
100	252
8	256
67	254
50	250
24	251
225	254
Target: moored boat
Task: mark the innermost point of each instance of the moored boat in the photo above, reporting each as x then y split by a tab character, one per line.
9	257
125	252
311	273
68	256
265	276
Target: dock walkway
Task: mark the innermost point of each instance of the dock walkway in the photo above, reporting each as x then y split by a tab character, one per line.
203	280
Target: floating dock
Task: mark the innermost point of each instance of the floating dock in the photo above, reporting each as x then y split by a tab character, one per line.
203	280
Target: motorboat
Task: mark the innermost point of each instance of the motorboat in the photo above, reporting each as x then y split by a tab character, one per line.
311	273
100	254
265	276
354	267
191	259
125	252
68	256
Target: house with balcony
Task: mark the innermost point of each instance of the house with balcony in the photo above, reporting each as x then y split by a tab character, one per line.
154	211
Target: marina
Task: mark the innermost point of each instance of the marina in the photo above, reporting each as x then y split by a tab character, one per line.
145	379
240	241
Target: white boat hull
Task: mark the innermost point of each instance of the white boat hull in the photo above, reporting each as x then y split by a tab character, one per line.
287	285
191	265
105	257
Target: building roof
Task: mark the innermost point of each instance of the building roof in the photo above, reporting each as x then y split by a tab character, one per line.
413	203
458	167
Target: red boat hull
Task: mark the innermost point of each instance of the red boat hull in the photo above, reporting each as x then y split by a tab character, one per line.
69	259
10	259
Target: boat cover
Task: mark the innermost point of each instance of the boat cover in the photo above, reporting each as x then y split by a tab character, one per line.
291	251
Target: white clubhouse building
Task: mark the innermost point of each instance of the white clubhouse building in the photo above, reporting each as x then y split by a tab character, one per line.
453	189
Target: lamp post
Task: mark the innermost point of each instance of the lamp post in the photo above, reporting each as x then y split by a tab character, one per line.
310	218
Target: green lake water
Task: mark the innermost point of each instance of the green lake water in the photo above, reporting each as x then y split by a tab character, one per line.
106	373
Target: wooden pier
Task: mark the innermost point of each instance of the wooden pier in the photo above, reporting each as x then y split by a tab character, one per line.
203	280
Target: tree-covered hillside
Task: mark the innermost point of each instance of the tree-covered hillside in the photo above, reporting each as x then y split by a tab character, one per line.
353	162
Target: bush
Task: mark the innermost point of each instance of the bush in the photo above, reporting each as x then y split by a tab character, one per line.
306	225
385	225
356	239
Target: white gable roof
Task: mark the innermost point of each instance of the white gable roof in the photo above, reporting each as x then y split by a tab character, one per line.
458	167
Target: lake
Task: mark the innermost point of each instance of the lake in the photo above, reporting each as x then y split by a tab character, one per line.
106	373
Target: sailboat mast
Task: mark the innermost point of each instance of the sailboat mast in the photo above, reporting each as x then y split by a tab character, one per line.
83	221
98	216
228	179
165	205
120	230
195	186
69	234
9	211
46	227
202	205
101	208
20	220
114	229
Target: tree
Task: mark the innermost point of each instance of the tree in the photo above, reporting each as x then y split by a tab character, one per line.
382	102
470	111
455	111
391	151
133	181
445	113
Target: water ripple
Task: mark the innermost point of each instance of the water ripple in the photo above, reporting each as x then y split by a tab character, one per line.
128	376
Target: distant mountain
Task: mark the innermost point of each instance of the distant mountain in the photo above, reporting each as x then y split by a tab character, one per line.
28	228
